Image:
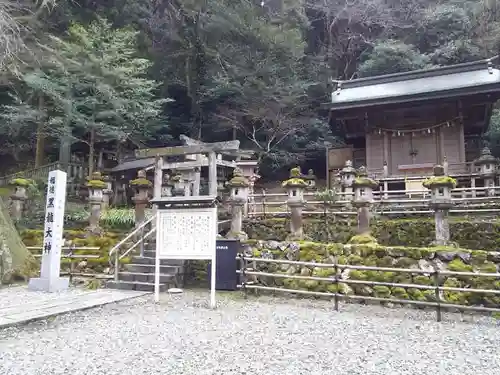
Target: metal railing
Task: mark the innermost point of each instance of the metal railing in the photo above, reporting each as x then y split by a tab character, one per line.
115	251
436	286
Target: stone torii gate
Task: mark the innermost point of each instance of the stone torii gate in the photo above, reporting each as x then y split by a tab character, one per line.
194	148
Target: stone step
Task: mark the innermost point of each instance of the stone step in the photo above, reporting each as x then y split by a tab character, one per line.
150	268
150	260
171	262
147	277
135	285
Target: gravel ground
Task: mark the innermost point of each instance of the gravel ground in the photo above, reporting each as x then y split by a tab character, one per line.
260	336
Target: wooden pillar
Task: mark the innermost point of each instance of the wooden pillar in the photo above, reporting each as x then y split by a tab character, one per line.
461	143
197	176
440	146
473	186
158	180
386	151
368	151
212	174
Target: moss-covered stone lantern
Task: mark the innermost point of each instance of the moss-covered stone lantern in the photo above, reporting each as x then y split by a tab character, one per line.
310	179
487	164
141	185
19	196
238	186
441	202
96	186
363	197
440	186
295	186
363	186
347	176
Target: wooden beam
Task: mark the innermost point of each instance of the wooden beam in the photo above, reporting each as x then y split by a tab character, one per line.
182	165
192	142
217	147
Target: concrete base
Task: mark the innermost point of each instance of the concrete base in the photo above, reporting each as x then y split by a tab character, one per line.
48	285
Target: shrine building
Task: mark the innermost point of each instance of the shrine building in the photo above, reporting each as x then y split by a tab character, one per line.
400	125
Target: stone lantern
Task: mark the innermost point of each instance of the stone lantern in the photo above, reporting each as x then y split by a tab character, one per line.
347	176
141	185
19	196
441	202
107	192
295	186
363	198
310	179
96	186
239	187
487	164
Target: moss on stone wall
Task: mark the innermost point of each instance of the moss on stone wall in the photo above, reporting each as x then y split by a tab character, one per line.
373	254
481	235
81	238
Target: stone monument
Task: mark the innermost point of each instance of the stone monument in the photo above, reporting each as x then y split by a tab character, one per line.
441	202
295	186
50	280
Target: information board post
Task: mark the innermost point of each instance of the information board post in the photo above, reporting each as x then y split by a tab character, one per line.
186	229
50	280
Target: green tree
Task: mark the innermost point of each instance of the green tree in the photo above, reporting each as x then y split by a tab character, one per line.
95	87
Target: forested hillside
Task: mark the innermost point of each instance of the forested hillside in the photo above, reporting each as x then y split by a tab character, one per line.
257	71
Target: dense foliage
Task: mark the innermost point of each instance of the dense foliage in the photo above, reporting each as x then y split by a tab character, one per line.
85	71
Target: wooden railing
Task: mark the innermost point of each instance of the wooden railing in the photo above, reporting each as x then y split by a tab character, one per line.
467	200
76	172
454	169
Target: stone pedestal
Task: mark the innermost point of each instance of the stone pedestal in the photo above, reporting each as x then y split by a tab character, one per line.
296	227
107	194
236	231
95	214
363	217
442	227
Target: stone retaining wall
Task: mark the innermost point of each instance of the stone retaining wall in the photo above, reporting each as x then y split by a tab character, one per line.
466	233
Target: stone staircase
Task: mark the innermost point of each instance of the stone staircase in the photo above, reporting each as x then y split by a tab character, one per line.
139	274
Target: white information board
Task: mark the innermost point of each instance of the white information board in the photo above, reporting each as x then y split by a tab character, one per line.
49	279
188	234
